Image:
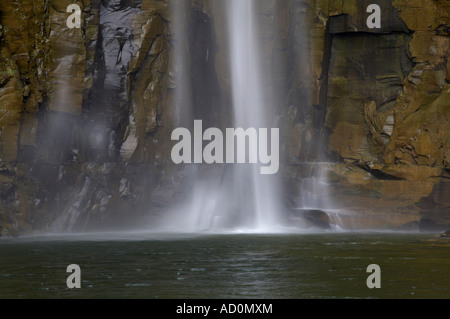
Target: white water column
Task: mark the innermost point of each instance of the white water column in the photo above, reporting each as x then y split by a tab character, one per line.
250	95
238	198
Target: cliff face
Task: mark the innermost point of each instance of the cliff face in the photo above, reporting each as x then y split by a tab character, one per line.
388	109
86	114
75	102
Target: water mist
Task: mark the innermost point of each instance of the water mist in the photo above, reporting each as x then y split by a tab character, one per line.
250	96
230	197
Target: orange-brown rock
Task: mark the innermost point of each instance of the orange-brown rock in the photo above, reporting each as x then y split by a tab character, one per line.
376	102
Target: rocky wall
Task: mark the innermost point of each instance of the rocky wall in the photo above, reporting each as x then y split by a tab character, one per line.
387	109
85	114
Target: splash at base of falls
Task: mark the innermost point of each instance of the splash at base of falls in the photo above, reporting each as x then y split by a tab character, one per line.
310	202
216	203
221	199
232	197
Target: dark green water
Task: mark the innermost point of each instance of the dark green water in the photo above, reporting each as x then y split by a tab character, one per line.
326	265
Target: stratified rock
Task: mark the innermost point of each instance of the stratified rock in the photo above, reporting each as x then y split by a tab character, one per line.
86	114
366	73
423	136
421	114
11	107
66	63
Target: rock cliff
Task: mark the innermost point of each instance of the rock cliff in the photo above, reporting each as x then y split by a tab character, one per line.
86	114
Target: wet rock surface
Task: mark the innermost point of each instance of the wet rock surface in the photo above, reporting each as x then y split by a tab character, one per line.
86	114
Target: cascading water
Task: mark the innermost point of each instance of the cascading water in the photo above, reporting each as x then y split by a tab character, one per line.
231	197
250	110
314	201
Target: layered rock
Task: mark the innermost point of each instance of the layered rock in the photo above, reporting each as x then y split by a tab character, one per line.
86	114
387	111
422	110
66	100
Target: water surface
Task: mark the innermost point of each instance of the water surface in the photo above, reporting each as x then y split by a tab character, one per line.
316	265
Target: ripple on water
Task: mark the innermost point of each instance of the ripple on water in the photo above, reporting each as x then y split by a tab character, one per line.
259	266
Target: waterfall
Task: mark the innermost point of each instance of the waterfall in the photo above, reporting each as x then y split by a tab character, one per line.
314	206
229	197
250	96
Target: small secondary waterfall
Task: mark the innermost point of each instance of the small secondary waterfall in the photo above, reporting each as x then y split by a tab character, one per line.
230	197
314	206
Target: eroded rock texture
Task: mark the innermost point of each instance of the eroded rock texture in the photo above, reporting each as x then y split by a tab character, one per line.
86	114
